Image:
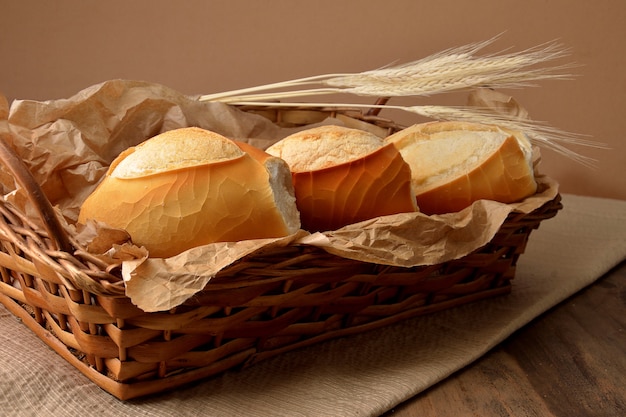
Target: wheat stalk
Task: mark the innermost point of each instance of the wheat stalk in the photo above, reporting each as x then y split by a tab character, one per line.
539	133
454	69
450	70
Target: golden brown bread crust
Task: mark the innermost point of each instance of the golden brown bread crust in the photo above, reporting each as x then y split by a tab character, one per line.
257	153
169	211
361	180
448	180
376	185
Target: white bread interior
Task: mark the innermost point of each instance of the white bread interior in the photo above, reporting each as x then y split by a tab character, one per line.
189	187
343	175
454	164
280	184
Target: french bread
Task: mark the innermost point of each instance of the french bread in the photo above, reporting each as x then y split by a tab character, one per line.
343	175
189	187
454	164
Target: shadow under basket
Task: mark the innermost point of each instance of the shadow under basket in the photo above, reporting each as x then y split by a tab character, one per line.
259	307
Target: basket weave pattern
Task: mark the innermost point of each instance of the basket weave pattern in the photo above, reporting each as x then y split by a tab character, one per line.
261	306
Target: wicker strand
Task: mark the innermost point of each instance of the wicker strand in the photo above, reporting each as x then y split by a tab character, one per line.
36	195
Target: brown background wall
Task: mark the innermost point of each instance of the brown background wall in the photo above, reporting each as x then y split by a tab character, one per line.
51	50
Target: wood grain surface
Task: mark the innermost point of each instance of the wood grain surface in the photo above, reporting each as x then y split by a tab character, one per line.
571	361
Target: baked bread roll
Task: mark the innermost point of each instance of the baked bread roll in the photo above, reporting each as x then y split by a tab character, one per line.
190	187
342	176
454	164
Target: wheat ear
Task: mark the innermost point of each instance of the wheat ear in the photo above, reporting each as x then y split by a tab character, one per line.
450	70
539	133
455	69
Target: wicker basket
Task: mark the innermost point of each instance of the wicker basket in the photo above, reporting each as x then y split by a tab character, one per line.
257	308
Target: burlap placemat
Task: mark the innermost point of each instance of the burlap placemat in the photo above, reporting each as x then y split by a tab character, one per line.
362	375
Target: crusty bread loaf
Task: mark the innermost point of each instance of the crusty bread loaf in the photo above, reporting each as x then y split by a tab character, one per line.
454	164
343	175
189	187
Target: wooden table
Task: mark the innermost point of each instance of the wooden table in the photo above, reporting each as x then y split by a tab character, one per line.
569	362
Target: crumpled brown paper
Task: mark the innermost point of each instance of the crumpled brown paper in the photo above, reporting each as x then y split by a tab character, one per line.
157	284
69	143
412	239
497	102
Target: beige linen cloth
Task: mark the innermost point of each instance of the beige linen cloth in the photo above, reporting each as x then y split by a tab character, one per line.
363	375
